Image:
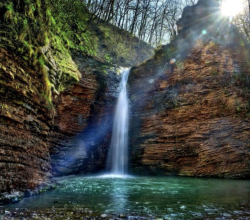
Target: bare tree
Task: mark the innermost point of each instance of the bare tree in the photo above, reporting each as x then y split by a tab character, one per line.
151	20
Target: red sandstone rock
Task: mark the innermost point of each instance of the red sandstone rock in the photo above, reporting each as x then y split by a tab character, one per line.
83	122
194	120
24	126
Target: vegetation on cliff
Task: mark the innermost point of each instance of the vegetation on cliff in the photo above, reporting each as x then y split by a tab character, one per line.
44	32
30	30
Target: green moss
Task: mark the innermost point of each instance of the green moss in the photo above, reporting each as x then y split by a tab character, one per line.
52	21
30	26
3	107
46	83
41	61
108	58
49	104
9	6
10	11
113	46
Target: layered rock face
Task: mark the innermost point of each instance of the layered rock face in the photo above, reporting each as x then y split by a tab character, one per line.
190	103
83	122
25	121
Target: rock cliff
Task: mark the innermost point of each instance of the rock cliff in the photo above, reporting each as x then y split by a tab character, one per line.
25	121
56	100
190	102
80	139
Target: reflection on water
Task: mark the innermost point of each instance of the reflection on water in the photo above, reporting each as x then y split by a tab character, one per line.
119	196
166	197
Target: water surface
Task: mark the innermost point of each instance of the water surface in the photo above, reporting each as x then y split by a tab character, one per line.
161	197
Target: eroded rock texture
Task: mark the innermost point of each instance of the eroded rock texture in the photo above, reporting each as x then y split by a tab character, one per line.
83	122
190	103
25	120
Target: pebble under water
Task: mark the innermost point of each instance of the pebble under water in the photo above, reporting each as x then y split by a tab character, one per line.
81	197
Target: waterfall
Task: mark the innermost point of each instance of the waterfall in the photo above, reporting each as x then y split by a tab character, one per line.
119	140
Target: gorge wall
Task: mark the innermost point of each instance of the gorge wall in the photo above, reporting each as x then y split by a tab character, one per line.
56	101
190	111
25	121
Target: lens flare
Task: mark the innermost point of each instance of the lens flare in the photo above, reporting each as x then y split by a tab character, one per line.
231	8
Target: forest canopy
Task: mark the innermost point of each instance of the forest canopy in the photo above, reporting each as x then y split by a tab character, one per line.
154	21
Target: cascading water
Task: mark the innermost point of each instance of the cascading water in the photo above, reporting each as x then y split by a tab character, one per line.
119	142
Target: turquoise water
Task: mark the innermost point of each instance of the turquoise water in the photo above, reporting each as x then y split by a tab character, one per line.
161	197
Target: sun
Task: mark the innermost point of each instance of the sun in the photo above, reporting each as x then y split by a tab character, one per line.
231	8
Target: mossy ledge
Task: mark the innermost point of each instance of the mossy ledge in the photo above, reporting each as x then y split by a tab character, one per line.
30	29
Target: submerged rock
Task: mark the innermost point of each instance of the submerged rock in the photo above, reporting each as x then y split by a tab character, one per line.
103	215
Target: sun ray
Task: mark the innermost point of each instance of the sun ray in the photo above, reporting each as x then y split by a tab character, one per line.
231	8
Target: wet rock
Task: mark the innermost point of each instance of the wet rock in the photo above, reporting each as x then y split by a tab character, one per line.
13	197
7	212
82	131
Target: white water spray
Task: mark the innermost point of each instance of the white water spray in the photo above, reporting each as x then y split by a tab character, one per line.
119	141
